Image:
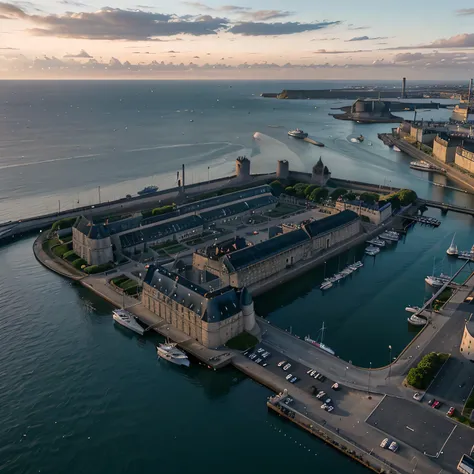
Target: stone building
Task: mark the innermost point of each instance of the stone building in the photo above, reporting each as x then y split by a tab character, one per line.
92	242
467	342
255	263
464	158
375	213
444	148
209	317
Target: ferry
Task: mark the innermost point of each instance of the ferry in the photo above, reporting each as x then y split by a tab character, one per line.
298	134
171	353
425	166
127	320
148	190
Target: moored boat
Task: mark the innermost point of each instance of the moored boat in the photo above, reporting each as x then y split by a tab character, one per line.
416	321
297	133
320	344
127	320
453	249
171	353
148	190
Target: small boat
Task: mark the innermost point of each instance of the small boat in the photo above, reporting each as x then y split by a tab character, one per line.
148	190
452	250
395	148
467	255
387	235
358	264
171	353
437	281
377	242
372	251
416	321
127	320
416	310
360	138
326	285
297	133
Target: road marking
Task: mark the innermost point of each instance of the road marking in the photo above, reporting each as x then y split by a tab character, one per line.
409	428
446	442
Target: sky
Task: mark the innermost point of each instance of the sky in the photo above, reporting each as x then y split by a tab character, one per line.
251	39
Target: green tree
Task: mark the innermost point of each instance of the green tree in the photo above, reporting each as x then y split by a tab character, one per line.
319	194
290	190
350	196
369	198
337	193
300	189
309	189
277	187
407	196
64	223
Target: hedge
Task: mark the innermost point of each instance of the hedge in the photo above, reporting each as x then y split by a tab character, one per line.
64	223
421	376
78	263
98	268
163	210
60	250
70	256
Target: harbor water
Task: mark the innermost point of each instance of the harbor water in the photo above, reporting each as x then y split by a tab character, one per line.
79	394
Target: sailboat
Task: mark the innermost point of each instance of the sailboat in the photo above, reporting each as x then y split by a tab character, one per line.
453	249
320	344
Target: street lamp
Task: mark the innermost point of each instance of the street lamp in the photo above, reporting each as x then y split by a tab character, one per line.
345	372
389	361
368	383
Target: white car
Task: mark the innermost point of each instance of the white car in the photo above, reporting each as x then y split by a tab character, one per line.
281	363
320	394
252	357
311	373
260	350
258	360
324	406
287	366
330	408
289	376
393	446
265	354
385	442
418	396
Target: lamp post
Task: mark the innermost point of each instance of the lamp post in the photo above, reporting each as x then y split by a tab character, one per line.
389	361
368	383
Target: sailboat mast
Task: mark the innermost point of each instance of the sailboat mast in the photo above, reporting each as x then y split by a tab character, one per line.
322	332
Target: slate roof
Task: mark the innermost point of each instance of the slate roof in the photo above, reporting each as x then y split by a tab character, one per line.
91	230
159	231
211	307
329	223
224	199
256	253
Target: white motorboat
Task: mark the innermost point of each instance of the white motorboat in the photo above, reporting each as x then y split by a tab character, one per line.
395	148
416	310
358	264
391	236
416	321
372	251
437	281
467	255
453	249
326	285
127	320
377	242
298	134
171	353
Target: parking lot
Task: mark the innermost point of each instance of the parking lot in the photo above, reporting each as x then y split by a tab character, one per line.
272	361
424	428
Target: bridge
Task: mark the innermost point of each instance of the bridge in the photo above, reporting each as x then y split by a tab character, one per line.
444	206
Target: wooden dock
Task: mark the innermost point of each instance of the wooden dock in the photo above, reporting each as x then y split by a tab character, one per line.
424	220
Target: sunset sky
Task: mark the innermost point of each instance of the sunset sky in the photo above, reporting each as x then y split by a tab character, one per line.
368	39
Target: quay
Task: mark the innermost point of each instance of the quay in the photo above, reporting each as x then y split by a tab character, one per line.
465	181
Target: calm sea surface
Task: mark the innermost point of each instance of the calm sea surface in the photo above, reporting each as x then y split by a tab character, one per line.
78	394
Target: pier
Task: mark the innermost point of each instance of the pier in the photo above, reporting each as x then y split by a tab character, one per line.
429	221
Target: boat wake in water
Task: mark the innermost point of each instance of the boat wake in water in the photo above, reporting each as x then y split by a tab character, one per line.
269	150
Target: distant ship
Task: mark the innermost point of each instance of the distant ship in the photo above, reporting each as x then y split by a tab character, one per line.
297	134
148	190
171	353
424	166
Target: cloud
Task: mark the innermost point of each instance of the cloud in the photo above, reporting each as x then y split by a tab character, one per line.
72	3
357	28
81	54
465	11
325	51
9	49
465	40
270	29
325	39
263	15
172	52
366	38
12	12
223	8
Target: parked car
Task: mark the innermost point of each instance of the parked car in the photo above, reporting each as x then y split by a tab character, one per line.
418	396
258	360
316	375
330	408
288	377
430	403
321	394
312	372
252	356
328	401
265	354
287	366
393	446
324	406
450	412
335	386
436	404
385	443
264	364
309	371
281	363
294	380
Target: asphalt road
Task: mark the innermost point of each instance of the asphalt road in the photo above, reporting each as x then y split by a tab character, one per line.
426	429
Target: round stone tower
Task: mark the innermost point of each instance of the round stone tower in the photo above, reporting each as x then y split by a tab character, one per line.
242	167
283	169
246	302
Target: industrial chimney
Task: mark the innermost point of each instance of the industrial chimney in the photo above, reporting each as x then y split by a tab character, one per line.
404	88
470	91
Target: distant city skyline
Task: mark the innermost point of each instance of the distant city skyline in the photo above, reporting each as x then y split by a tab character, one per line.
248	40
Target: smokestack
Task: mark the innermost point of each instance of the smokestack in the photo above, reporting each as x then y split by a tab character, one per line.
469	93
404	88
182	177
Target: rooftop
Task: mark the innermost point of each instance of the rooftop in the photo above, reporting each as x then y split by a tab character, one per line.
91	230
329	223
211	307
256	253
470	328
